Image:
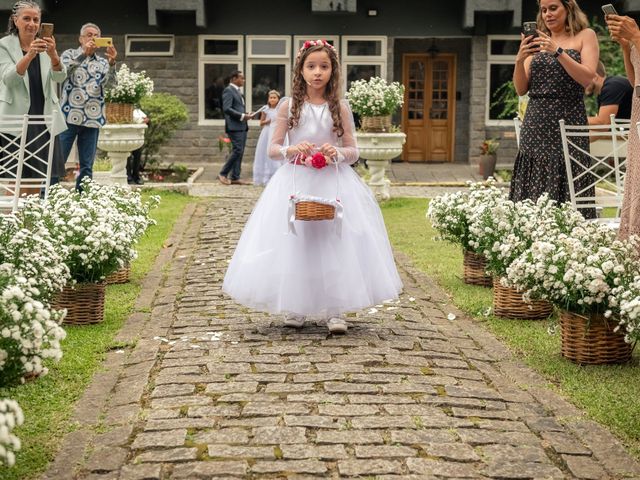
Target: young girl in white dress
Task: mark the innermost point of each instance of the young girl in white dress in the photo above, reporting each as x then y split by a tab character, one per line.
263	166
314	268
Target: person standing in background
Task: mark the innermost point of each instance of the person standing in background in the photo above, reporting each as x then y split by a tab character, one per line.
28	86
83	96
614	95
263	166
134	161
235	124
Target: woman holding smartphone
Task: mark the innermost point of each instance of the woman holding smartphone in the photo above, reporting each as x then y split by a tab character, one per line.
553	68
625	31
29	68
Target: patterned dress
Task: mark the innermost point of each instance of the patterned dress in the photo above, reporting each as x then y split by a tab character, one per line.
630	213
539	166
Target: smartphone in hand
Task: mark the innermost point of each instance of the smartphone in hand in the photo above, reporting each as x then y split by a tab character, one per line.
46	30
609	9
103	42
530	28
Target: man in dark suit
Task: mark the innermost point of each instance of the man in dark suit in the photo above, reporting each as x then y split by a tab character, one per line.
235	124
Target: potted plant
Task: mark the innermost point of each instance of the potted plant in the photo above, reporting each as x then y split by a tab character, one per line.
11	416
505	231
581	273
375	100
488	157
451	215
129	89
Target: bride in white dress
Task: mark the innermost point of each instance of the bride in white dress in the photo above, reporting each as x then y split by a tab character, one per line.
314	268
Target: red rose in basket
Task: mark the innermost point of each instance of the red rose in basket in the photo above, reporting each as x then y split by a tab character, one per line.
318	160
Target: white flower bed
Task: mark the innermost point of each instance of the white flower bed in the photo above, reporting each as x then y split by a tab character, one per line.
451	213
507	229
577	271
10	417
29	332
130	86
33	253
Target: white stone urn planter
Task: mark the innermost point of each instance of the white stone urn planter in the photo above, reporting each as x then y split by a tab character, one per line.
378	149
119	140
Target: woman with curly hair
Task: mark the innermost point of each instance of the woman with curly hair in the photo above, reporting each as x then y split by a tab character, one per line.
319	269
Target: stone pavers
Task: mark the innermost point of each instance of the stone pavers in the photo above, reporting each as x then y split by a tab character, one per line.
210	389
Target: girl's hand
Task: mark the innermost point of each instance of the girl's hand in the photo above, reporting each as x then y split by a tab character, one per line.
545	43
305	147
329	151
528	47
621	27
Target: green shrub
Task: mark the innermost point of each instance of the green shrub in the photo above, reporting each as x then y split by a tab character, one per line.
166	114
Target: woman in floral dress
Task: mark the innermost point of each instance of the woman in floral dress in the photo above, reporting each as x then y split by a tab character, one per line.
553	68
625	31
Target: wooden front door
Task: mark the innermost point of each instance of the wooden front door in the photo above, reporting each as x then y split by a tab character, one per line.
428	116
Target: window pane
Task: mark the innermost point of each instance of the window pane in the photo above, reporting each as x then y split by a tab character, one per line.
216	77
268	47
335	6
364	47
150	46
504	47
221	47
503	100
361	72
265	78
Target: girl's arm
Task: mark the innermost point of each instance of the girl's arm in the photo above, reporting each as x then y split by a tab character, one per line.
628	66
263	119
348	150
584	71
277	150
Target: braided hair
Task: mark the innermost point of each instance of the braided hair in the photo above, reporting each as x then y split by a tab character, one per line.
19	5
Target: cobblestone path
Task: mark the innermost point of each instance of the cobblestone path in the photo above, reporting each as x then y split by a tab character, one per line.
210	389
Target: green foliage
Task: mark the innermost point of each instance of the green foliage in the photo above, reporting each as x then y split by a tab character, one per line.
166	114
506	96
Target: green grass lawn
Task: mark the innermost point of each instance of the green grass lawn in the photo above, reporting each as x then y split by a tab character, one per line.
48	402
609	394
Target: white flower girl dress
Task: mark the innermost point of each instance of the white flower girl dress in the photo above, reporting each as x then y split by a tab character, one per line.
314	268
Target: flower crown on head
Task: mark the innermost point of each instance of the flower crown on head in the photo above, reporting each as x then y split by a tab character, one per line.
314	43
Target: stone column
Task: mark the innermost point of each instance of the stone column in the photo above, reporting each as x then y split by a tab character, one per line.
477	96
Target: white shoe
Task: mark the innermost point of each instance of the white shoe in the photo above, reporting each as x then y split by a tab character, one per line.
337	325
294	322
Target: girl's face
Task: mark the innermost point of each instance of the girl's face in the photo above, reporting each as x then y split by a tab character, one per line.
554	14
27	21
316	70
273	100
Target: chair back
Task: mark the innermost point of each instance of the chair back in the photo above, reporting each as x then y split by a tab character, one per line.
25	162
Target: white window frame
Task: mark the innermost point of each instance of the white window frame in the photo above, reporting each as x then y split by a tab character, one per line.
496	60
149	38
378	60
251	60
221	59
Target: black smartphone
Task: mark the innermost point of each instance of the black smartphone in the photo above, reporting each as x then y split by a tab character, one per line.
530	28
609	9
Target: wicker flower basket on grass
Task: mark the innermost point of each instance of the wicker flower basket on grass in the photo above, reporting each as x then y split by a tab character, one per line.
380	123
122	275
508	303
590	339
119	112
84	303
473	266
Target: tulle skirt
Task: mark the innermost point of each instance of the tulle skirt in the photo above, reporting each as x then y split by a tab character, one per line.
263	166
318	270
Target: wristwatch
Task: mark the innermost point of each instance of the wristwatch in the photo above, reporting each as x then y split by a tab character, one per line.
558	52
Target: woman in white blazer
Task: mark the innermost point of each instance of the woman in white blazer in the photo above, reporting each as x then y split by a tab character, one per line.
29	68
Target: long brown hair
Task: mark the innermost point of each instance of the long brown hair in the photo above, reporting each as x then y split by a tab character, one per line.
576	19
331	93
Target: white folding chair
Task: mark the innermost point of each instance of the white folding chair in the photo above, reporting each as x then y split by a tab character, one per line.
24	162
594	174
517	123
